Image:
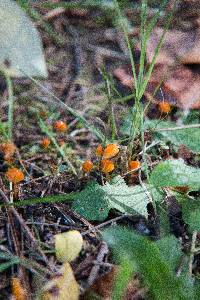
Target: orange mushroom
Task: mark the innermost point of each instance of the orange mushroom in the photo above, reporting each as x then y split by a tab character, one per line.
8	149
107	166
45	143
164	107
133	165
60	126
14	175
99	150
110	151
87	166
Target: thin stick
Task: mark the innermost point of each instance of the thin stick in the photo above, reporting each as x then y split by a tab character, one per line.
192	251
177	128
26	229
11	192
96	228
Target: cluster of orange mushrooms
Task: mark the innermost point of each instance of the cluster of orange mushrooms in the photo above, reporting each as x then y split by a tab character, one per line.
8	149
106	164
105	155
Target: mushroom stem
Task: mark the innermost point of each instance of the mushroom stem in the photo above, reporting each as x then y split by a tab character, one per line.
11	192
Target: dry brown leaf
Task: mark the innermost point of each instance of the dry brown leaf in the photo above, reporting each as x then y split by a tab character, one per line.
62	286
180	85
122	75
103	287
8	149
180	88
178	46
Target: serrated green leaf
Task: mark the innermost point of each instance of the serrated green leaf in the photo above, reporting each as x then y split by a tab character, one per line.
124	198
174	172
191	214
147	258
20	43
95	201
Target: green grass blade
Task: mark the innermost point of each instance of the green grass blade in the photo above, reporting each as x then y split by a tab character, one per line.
128	45
6	265
150	69
47	199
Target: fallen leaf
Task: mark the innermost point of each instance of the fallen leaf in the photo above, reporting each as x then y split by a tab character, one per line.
182	46
62	286
68	245
180	86
8	149
103	287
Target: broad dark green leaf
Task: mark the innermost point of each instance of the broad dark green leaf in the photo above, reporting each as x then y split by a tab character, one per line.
150	260
95	201
191	214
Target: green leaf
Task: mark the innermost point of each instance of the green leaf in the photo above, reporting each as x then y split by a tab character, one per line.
174	172
92	203
124	275
164	226
95	201
188	136
148	258
20	43
191	214
170	250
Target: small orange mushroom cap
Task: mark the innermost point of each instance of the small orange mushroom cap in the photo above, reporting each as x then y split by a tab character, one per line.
60	126
14	175
99	150
164	107
107	166
45	143
110	151
134	164
87	166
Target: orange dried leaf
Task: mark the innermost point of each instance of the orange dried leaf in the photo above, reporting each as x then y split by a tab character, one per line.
107	166
164	107
8	149
110	151
87	166
60	126
45	143
14	175
134	164
99	150
18	292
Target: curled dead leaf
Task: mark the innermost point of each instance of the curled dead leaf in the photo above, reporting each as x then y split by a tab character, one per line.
62	286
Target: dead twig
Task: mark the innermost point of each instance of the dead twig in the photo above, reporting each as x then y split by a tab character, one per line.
103	251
